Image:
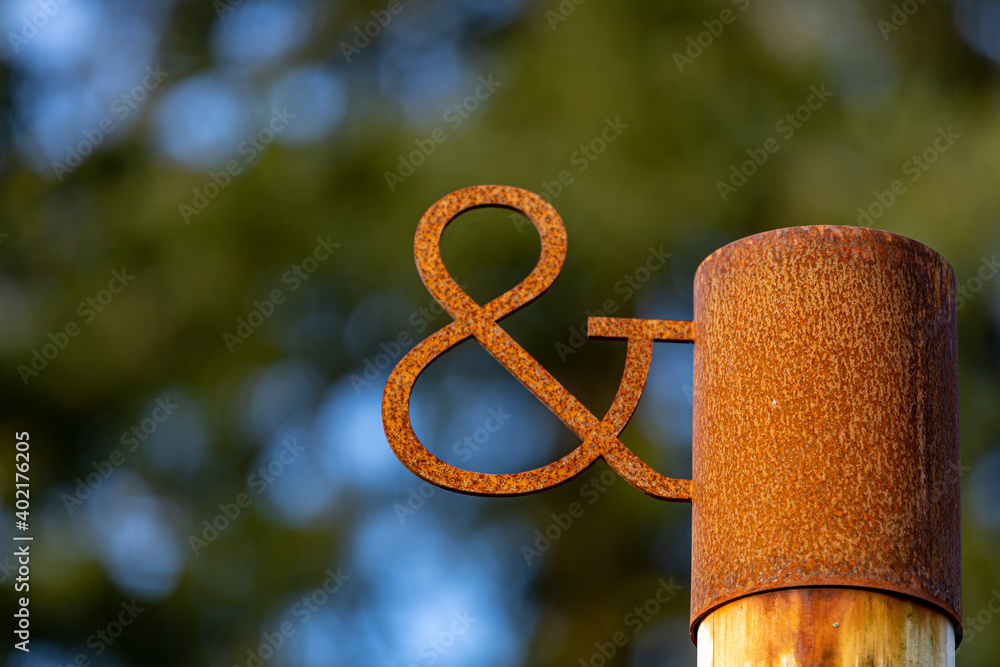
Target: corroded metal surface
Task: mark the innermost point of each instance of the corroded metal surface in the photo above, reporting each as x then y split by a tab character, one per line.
825	418
825	431
600	437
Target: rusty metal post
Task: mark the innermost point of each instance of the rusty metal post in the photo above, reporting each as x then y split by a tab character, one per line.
825	486
825	451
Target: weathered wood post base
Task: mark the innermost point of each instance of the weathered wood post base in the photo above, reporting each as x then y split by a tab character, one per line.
832	627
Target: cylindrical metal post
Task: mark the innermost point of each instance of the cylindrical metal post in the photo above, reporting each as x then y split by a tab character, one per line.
825	451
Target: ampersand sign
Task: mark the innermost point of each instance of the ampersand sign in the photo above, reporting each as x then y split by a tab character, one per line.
600	436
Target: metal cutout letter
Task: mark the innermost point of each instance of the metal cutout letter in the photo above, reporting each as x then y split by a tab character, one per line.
600	436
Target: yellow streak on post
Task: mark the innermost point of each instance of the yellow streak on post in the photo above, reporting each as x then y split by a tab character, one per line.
832	627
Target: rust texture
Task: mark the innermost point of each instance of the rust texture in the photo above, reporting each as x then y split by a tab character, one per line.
599	436
825	434
825	418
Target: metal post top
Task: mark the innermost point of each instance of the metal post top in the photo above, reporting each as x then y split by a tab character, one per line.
825	428
853	242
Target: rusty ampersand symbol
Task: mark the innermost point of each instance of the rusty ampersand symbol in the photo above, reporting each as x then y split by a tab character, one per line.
600	437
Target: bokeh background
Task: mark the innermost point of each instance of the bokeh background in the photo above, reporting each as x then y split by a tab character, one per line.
214	153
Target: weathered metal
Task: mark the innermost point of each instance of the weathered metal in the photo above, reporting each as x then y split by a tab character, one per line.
825	405
600	437
825	418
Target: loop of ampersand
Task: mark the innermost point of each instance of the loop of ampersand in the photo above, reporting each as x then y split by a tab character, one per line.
600	437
